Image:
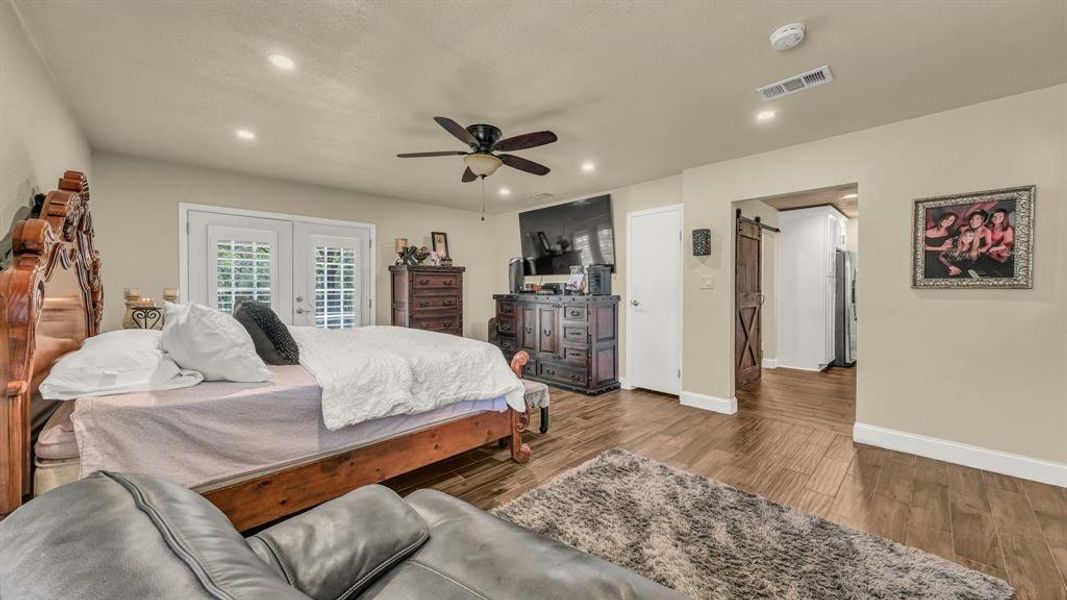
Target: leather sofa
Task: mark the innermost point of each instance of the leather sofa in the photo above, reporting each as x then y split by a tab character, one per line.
115	536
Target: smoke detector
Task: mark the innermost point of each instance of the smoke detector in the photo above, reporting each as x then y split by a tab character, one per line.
787	36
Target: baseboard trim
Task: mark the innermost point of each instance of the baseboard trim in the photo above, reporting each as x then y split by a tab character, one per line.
770	363
796	367
1005	463
624	383
715	404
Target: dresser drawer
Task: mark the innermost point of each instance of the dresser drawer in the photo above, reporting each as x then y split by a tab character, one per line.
576	355
508	345
436	302
575	313
433	283
562	374
505	307
578	334
437	323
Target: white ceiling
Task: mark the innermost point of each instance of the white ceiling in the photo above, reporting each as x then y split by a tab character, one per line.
833	196
643	89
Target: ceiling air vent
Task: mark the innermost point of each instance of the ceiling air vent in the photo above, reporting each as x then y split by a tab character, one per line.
796	84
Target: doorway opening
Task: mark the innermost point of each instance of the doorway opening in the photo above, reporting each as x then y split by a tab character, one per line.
796	263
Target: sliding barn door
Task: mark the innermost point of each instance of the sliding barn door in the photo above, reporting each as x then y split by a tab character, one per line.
748	276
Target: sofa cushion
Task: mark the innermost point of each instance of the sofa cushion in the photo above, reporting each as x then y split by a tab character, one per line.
129	537
472	554
341	547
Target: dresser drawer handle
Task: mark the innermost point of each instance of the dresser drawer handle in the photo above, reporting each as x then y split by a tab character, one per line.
424	325
447	302
424	281
424	304
447	282
576	313
547	333
550	371
448	323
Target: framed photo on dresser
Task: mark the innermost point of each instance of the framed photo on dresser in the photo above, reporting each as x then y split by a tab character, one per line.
974	240
440	243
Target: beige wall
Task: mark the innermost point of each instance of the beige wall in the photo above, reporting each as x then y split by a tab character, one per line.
982	367
649	194
39	138
136	217
769	327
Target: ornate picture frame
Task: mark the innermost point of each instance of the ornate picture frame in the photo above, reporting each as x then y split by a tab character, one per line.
974	240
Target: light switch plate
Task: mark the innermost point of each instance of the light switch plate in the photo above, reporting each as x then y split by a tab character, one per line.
707	282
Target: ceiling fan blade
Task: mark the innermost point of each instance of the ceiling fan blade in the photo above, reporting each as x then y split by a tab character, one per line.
522	164
468	176
457	130
526	140
429	154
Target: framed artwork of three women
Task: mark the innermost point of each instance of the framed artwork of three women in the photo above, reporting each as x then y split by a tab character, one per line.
975	240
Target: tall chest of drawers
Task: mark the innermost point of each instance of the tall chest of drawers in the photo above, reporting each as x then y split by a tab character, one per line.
572	340
429	298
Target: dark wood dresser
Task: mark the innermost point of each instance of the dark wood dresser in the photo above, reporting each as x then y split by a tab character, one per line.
426	297
572	340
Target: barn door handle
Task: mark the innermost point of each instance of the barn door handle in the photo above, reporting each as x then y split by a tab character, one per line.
762	298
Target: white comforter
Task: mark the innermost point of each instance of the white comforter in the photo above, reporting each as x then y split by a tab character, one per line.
372	372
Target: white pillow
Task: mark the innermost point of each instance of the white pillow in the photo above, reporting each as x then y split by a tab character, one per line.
115	362
206	340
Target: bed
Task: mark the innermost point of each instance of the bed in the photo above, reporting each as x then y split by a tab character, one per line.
51	301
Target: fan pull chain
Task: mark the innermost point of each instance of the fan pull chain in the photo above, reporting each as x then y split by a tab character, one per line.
483	198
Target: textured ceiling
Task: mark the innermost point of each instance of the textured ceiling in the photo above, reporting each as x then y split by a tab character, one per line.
643	89
850	207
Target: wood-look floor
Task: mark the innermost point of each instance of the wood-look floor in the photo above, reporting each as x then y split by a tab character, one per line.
791	442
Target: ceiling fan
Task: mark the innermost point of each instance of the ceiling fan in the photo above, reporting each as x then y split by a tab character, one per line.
483	141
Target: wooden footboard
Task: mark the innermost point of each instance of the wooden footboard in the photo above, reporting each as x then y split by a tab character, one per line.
264	499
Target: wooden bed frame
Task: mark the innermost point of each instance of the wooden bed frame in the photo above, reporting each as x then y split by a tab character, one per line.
51	299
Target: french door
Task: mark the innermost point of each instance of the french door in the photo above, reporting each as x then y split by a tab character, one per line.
311	272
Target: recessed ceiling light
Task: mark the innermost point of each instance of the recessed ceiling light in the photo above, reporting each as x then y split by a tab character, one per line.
850	196
588	167
765	115
282	61
245	134
505	191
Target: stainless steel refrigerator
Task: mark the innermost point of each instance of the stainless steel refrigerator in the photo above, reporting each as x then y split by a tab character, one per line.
845	310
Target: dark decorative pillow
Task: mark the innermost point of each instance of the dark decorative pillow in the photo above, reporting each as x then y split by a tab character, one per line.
274	344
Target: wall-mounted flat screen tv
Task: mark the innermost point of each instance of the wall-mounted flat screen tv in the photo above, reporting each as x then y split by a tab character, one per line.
556	238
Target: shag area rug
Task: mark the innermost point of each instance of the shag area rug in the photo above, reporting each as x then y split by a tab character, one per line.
708	540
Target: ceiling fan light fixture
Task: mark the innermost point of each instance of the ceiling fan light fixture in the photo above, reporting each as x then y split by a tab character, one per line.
483	165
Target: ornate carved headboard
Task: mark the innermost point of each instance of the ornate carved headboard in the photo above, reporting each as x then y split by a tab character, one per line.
51	299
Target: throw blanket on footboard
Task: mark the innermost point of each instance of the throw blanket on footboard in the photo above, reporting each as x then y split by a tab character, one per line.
372	372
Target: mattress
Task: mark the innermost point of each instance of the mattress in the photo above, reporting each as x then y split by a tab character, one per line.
214	433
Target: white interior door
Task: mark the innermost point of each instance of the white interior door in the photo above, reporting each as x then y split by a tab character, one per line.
653	299
332	276
233	258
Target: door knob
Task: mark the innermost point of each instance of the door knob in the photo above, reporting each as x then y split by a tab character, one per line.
299	298
300	311
635	303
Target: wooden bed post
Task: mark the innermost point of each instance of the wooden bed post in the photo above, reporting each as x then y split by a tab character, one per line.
52	283
520	452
